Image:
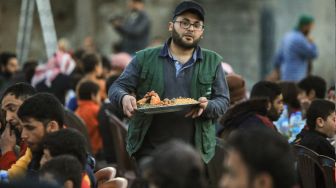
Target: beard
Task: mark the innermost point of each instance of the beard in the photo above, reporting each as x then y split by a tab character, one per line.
273	115
178	40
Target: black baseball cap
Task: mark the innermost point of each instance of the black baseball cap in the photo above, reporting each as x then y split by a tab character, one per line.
189	6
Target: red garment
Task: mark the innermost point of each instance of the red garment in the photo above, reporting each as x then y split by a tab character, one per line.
9	158
85	181
88	111
267	122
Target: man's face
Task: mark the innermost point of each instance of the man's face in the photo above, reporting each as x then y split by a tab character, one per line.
276	108
236	175
186	38
33	132
307	29
12	65
10	104
45	157
329	125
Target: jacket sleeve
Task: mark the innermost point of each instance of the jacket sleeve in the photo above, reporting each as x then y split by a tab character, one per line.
7	160
220	98
125	84
135	28
19	169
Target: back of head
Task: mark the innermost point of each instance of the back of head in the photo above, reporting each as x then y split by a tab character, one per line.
87	90
265	89
314	83
62	168
265	151
237	88
176	165
290	93
90	61
20	90
319	108
66	141
42	107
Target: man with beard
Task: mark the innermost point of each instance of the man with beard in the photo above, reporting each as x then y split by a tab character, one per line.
264	106
296	52
11	145
179	68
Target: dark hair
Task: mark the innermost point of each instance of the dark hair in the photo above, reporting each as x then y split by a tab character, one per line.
265	89
63	168
20	90
5	56
319	108
264	150
66	141
87	89
29	70
315	83
175	164
90	61
290	92
106	63
42	107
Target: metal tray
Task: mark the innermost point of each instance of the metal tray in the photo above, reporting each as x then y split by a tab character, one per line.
166	109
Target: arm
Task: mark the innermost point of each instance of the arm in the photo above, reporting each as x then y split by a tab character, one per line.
219	102
305	48
134	28
124	86
220	98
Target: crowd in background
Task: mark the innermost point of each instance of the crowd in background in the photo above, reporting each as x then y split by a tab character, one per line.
55	116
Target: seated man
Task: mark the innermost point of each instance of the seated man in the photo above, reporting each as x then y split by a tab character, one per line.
40	114
264	107
11	145
258	158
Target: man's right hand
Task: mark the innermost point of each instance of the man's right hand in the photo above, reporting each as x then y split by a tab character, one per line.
7	140
129	105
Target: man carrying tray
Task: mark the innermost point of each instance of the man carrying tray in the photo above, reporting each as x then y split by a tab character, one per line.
179	68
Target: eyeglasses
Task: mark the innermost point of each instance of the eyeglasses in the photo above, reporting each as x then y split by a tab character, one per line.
186	25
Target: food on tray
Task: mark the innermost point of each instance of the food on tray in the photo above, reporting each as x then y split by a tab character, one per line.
152	99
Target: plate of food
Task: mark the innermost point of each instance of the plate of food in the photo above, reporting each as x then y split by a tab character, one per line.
152	104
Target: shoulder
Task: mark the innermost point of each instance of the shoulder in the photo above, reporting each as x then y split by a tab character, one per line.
210	53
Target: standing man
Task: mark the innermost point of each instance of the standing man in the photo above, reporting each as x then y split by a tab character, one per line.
178	68
134	29
297	50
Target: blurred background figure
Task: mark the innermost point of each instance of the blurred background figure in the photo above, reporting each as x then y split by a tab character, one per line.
268	164
134	29
174	164
54	76
297	50
9	66
290	121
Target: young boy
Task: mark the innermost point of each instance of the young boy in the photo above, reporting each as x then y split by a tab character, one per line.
321	120
88	107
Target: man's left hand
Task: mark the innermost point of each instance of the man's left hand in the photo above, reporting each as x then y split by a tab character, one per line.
196	112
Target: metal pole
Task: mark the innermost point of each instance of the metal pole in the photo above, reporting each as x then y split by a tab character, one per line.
48	27
25	28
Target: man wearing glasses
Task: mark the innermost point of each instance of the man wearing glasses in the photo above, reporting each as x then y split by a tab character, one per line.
179	68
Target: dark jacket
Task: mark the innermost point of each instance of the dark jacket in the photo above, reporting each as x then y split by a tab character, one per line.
248	114
134	32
